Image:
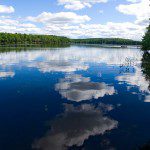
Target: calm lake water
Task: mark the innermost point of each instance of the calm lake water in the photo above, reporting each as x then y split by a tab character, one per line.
74	98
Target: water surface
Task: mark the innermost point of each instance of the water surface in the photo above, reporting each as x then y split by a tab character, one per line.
74	98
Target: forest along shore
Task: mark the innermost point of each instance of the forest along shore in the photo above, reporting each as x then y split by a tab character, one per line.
32	39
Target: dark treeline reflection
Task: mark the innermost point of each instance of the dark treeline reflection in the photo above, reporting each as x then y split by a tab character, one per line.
146	66
8	48
146	70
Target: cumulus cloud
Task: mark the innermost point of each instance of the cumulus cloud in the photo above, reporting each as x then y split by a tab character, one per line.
139	8
77	88
71	25
59	18
110	29
7	24
6	9
74	127
133	1
5	17
76	26
79	4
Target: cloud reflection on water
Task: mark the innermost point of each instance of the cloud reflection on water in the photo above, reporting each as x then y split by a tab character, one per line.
136	79
75	126
58	66
77	88
4	74
68	59
75	58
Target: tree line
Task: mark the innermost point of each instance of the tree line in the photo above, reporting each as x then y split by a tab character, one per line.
146	55
146	40
113	41
17	38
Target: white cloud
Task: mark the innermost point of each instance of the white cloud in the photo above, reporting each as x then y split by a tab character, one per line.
79	4
74	25
7	24
77	88
74	5
27	25
133	1
5	17
139	8
59	18
71	25
110	29
75	126
6	9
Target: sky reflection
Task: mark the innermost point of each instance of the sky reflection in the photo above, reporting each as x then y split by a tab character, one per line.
75	126
4	74
77	88
66	60
72	59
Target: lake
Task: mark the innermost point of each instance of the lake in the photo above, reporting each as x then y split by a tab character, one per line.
74	98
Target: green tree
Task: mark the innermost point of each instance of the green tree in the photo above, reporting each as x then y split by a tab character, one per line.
25	39
146	40
113	41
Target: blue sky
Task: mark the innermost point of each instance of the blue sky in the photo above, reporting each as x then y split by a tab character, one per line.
76	18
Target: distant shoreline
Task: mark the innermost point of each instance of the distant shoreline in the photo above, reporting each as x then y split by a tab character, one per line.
32	39
9	48
108	45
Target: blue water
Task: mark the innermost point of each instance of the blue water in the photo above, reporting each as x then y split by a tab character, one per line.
74	98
